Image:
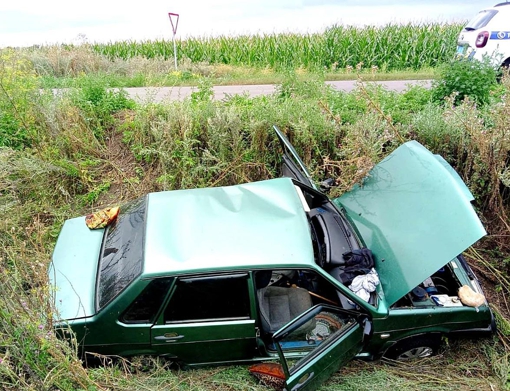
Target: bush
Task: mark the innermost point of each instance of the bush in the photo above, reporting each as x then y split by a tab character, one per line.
18	88
98	103
465	78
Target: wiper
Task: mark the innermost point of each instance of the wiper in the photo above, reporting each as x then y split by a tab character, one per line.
469	28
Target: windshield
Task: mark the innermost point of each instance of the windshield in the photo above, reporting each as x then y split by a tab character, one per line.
481	20
122	252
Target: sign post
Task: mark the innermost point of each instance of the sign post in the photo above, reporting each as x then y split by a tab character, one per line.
174	30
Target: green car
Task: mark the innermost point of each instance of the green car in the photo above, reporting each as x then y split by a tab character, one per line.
275	270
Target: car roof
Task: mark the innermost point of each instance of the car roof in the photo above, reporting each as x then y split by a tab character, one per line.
248	226
502	4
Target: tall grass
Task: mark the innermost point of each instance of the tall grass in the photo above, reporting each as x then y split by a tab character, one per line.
390	47
89	149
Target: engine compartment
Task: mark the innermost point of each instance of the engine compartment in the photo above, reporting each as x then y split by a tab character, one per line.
440	289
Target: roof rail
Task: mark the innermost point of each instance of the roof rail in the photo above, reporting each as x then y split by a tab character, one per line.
501	4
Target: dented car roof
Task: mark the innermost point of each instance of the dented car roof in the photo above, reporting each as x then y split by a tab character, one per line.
253	224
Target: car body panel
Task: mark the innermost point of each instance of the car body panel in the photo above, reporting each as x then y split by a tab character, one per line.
409	211
204	229
73	269
292	165
205	342
325	353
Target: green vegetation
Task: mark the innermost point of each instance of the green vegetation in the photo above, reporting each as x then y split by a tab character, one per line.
466	78
390	47
393	51
64	155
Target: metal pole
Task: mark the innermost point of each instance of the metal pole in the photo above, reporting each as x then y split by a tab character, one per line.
175	51
174	31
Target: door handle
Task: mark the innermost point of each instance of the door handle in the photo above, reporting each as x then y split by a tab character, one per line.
168	337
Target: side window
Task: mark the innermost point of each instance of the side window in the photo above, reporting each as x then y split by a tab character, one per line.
146	305
320	290
209	298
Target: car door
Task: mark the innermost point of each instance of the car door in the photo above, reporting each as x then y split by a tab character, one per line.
337	337
292	165
207	319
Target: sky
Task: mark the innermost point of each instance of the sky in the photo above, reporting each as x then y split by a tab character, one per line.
38	22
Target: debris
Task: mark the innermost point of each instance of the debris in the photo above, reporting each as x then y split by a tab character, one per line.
102	218
269	374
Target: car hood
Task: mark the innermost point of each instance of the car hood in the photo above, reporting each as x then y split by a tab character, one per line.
73	269
414	212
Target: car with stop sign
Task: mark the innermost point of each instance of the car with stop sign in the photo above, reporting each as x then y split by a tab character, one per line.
277	271
487	34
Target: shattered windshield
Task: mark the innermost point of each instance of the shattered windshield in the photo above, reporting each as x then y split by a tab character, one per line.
122	252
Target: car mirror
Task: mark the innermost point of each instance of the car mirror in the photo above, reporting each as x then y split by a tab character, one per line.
327	184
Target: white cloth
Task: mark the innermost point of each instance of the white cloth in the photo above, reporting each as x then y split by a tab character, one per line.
364	284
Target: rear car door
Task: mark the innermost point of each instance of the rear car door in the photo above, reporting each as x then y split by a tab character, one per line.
338	335
207	319
292	165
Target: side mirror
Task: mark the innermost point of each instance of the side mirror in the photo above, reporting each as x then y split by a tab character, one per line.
327	184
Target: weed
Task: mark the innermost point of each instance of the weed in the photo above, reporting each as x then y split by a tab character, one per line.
201	142
18	85
464	78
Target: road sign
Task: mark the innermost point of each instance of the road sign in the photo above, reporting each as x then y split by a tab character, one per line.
173	16
174	25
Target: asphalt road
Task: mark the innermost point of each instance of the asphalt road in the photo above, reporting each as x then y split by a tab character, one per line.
159	94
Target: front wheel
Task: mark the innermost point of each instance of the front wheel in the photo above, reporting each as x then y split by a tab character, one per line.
415	348
503	70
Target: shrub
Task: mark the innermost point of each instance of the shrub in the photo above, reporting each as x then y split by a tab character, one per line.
466	78
98	103
18	87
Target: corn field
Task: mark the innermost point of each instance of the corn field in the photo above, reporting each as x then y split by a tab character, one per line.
390	47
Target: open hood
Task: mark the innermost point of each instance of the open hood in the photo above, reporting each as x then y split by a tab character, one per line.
414	212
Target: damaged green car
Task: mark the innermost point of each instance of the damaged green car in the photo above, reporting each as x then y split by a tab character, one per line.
275	270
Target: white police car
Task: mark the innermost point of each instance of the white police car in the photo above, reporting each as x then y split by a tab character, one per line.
487	34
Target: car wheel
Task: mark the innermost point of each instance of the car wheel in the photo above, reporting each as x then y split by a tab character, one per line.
503	70
415	348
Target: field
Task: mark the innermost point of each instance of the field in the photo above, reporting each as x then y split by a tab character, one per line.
341	52
390	47
89	147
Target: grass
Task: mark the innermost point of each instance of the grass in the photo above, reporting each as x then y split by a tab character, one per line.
224	76
389	47
392	51
88	148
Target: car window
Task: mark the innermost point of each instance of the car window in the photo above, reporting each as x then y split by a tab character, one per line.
209	298
122	252
329	325
147	304
481	19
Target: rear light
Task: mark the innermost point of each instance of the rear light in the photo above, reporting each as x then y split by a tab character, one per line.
482	39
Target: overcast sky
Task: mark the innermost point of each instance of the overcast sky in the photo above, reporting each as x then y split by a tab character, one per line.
29	22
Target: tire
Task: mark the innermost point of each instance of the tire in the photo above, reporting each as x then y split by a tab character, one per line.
414	348
503	69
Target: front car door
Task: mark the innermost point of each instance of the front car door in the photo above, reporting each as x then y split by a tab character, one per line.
292	165
207	319
337	337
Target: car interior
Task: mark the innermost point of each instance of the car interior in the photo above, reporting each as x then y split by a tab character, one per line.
282	295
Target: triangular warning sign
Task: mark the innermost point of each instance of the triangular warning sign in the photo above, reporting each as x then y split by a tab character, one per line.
174	24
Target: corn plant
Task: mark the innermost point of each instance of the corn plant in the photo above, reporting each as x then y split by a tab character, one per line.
389	47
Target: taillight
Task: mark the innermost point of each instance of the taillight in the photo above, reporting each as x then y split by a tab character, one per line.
482	39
